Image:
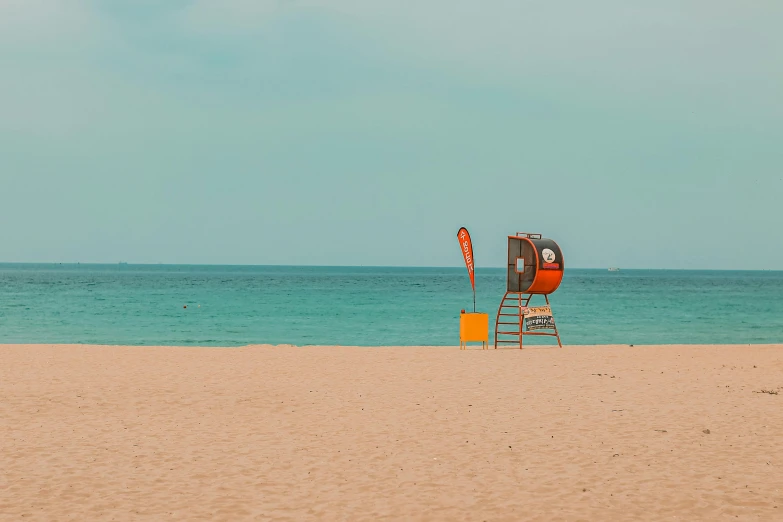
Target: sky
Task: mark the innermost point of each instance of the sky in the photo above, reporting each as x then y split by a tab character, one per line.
347	132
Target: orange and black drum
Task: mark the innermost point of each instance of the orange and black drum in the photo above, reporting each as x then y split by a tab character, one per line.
535	264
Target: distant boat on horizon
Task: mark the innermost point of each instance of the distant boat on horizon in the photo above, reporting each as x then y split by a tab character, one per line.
614	269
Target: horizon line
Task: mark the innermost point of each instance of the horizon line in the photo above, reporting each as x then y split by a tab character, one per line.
122	263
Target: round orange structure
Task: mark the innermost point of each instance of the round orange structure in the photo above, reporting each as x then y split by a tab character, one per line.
535	267
535	264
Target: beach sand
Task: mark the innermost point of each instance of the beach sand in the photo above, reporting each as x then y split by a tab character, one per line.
339	433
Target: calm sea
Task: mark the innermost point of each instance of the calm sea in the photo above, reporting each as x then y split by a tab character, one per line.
229	306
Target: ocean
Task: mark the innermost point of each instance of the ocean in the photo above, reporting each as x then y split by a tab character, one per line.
370	306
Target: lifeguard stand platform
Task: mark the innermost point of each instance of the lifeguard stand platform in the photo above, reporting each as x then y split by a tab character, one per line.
535	267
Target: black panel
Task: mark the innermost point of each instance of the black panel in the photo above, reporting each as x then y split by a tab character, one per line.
516	282
547	245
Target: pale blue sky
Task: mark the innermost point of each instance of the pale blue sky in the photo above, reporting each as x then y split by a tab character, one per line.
348	132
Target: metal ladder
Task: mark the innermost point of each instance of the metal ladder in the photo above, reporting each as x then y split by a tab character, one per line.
513	331
512	301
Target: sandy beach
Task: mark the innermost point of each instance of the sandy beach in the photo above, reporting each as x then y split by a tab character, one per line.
399	433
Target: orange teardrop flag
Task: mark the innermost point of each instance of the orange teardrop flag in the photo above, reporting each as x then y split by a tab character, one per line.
467	252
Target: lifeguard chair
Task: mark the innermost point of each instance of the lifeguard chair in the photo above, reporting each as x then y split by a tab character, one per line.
535	267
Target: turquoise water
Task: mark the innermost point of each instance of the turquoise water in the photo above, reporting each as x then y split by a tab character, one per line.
229	306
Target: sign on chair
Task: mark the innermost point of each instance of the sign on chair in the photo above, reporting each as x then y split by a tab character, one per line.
538	318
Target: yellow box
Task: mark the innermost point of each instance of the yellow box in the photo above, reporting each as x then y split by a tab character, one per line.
473	328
